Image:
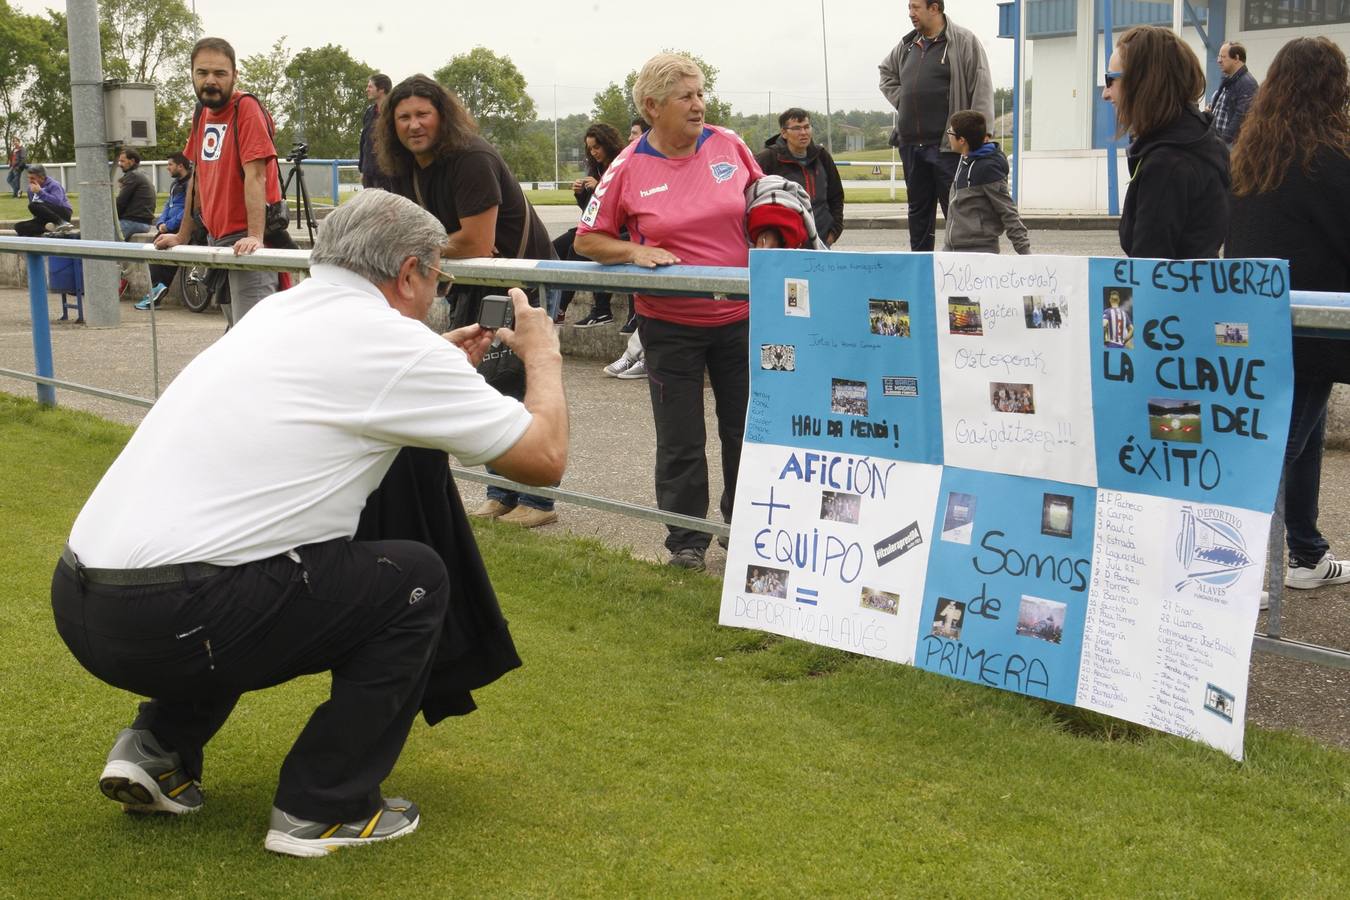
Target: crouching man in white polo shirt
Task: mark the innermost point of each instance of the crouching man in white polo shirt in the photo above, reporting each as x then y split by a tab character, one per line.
215	557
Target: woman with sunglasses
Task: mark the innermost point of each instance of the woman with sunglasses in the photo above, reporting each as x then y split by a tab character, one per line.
1176	205
1291	187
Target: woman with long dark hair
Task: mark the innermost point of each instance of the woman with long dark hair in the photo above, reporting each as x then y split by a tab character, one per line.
1291	187
1176	206
602	145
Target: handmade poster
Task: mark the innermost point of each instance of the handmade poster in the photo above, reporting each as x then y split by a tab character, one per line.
1048	475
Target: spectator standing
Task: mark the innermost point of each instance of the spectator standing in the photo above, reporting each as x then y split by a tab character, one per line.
377	89
1176	206
795	156
981	207
47	203
631	364
1291	186
936	70
428	145
135	196
1233	98
216	556
234	172
161	276
18	161
602	146
696	217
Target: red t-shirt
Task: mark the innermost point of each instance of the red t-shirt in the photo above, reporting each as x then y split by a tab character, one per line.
218	164
693	206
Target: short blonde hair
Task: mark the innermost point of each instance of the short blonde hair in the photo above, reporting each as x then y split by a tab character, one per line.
659	76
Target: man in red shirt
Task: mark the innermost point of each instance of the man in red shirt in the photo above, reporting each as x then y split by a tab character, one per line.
234	171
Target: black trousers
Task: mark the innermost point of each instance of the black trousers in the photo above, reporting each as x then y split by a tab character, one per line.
562	246
928	183
677	356
370	613
42	214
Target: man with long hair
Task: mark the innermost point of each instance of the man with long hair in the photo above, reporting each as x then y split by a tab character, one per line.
1291	187
428	145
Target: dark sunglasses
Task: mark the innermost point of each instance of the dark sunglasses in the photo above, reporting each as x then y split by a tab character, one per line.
1112	76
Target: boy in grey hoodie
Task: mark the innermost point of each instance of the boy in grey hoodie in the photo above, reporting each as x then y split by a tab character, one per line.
980	207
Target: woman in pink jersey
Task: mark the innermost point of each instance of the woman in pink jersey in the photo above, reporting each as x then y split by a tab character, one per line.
680	192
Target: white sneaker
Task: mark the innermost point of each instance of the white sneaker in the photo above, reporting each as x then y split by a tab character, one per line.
619	366
1327	571
636	370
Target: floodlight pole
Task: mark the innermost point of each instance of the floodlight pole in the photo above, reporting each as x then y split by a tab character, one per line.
825	52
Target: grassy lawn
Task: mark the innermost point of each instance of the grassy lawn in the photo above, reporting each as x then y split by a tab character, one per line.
645	751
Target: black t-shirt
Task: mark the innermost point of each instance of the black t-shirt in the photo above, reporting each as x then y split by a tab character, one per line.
471	181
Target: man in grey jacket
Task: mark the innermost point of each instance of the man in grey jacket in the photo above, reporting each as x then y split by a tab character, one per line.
937	69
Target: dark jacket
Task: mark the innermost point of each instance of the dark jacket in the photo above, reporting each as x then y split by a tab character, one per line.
1230	104
367	161
136	197
980	207
1303	221
817	173
1176	206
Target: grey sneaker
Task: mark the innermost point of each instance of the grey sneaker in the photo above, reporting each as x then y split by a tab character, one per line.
688	558
300	837
145	778
637	370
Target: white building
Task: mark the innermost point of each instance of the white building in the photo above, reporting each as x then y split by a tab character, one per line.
1067	130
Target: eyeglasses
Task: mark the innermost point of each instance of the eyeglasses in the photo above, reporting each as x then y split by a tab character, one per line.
1112	76
951	133
445	275
799	128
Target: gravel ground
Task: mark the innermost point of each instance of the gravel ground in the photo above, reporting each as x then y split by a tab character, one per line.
613	450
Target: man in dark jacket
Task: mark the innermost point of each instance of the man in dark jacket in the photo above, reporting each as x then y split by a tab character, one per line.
792	154
1231	101
135	196
377	88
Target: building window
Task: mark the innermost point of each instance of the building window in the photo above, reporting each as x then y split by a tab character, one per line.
1258	14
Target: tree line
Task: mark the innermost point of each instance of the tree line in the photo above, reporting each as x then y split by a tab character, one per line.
316	95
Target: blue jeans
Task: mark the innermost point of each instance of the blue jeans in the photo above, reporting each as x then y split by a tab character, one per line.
515	498
129	228
1303	469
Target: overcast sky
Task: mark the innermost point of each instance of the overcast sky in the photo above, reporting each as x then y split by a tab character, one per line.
579	47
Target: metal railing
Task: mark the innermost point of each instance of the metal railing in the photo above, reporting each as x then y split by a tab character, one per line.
1314	313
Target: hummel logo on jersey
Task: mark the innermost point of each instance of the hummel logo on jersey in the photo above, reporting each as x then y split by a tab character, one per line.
721	171
656	190
213	138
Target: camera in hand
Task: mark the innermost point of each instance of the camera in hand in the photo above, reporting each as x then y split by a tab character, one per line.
495	312
299	151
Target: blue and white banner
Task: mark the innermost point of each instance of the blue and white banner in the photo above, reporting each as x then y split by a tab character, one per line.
1050	475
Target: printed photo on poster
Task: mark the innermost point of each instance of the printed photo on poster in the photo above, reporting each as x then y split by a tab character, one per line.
1057	515
881	601
899	386
1041	619
848	397
766	582
797	297
963	317
1230	334
1174	420
948	618
1220	702
1118	317
836	506
1007	397
778	357
959	520
1044	312
889	318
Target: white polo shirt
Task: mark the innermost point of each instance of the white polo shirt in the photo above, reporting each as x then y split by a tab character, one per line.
276	434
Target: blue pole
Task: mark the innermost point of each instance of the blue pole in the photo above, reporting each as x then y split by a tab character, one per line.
42	326
1112	176
1017	93
335	182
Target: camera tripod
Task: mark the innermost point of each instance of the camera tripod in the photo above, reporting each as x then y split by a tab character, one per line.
302	205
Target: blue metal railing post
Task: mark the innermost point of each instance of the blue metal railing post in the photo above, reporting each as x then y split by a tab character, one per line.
42	326
1016	98
335	182
1112	175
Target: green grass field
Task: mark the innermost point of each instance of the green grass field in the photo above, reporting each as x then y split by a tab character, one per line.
645	751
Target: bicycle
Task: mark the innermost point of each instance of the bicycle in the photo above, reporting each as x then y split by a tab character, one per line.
201	285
